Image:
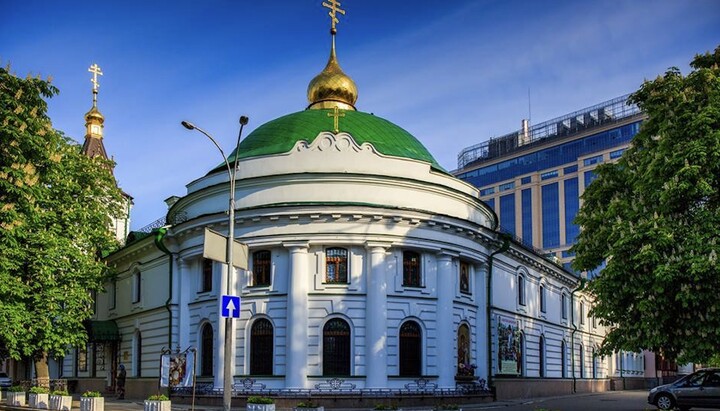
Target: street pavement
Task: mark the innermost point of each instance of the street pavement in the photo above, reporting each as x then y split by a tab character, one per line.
613	400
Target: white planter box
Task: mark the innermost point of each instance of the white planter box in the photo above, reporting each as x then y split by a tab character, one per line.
61	402
260	407
152	405
16	399
40	401
92	404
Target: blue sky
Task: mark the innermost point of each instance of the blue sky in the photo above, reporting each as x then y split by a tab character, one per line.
453	73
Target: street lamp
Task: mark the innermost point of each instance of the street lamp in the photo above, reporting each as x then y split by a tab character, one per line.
227	369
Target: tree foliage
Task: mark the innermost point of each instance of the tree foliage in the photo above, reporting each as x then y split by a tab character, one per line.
654	217
55	210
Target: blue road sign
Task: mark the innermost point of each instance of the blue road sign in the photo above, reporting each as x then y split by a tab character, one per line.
230	306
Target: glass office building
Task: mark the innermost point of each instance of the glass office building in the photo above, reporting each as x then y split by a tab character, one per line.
533	178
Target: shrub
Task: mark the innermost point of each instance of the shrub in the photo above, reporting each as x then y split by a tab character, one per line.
451	407
16	388
307	404
91	394
385	407
61	392
260	400
39	390
158	397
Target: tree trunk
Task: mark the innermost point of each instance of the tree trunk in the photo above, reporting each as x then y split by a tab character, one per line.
42	371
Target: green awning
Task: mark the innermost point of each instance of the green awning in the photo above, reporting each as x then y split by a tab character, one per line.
99	331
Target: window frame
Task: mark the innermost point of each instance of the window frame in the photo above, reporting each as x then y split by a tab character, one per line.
262	347
410	350
137	287
521	292
262	278
543	299
563	306
207	353
337	363
338	264
207	268
408	264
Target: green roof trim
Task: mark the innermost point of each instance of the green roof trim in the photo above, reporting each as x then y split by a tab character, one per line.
280	135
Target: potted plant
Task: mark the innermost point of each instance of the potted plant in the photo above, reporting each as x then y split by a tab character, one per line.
390	407
39	397
92	401
308	405
447	407
158	402
60	400
260	404
16	396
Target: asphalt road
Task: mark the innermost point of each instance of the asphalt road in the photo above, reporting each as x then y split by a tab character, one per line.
613	400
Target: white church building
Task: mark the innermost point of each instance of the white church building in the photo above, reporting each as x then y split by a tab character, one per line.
369	267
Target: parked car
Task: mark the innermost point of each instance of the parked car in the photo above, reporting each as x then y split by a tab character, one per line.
5	381
699	389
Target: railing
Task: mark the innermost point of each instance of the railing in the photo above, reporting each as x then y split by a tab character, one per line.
600	114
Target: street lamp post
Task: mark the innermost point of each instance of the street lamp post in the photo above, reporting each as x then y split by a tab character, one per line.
227	369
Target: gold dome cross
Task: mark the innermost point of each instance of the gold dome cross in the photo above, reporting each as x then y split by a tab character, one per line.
334	6
336	114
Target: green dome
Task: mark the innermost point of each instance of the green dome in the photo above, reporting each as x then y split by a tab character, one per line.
280	135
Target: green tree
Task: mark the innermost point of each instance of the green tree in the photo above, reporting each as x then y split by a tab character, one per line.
55	210
654	217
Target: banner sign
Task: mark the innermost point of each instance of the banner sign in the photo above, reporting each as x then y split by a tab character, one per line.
509	359
176	370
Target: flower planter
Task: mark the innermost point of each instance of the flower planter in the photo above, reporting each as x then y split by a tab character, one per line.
61	402
40	401
152	405
16	398
309	409
92	404
260	407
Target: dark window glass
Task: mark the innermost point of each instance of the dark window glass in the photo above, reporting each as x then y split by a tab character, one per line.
549	175
506	186
550	216
487	191
336	348
616	154
563	308
207	275
490	202
593	160
570	169
541	353
410	350
527	214
507	213
590	176
582	312
336	267
138	287
563	360
525	180
581	353
594	363
543	306
411	269
464	277
138	355
261	348
521	289
572	205
206	351
261	268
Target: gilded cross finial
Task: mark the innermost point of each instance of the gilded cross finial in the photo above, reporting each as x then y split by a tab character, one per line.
95	69
334	6
336	114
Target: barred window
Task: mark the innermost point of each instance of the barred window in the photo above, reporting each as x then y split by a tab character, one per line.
336	265
411	269
261	348
206	351
410	350
207	275
261	267
336	348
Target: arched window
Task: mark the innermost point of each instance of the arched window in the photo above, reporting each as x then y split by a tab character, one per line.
563	359
410	350
465	277
336	265
336	348
582	361
463	351
411	269
137	355
543	302
206	351
261	268
207	275
541	355
261	347
521	289
564	307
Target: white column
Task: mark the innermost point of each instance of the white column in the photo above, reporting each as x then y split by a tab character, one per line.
479	273
185	287
446	333
219	365
376	318
297	316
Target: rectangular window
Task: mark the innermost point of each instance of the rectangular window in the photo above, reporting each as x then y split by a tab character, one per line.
616	154
487	191
506	186
563	307
593	160
590	176
507	213
206	275
572	205
568	254
113	294
582	312
543	304
411	269
82	364
464	277
137	287
526	180
490	202
550	216
336	265
527	217
549	175
261	268
521	290
570	169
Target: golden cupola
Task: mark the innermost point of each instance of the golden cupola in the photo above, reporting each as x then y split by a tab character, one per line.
332	87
